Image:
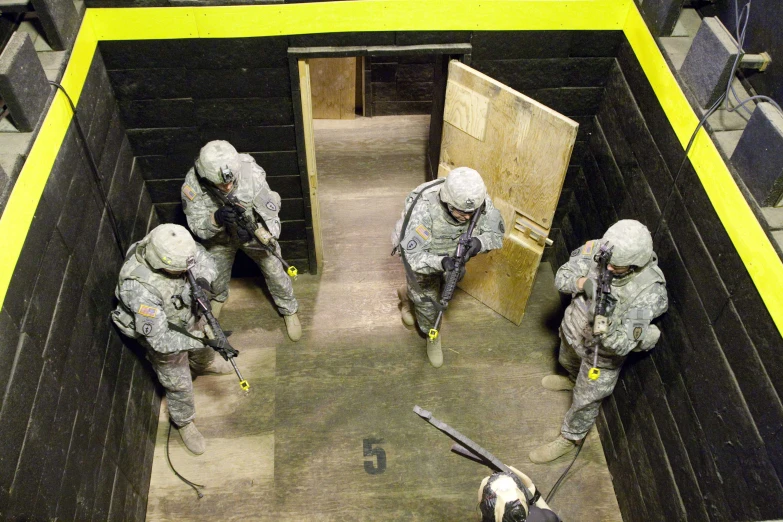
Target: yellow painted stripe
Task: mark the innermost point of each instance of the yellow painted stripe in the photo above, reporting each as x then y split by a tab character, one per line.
20	209
358	15
753	246
144	23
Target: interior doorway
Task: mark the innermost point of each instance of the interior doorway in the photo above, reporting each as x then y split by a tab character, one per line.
309	69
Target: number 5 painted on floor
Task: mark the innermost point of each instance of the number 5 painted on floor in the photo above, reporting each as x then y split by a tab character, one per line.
369	466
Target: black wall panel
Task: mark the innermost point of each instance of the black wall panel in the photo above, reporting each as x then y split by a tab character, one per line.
400	84
56	333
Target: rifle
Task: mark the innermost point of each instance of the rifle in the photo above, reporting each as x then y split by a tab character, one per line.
257	232
452	278
220	344
470	450
603	291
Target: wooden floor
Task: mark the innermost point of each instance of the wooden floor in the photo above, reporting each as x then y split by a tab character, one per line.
292	449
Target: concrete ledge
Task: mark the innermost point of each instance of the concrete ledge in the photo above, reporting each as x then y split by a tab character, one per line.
774	217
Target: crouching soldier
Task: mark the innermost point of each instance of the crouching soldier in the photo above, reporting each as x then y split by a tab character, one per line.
632	295
435	216
156	308
221	173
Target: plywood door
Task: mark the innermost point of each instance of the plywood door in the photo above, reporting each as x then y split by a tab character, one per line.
522	149
333	86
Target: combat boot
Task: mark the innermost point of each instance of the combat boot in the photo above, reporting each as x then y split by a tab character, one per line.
434	352
192	438
551	451
405	307
557	383
293	327
218	366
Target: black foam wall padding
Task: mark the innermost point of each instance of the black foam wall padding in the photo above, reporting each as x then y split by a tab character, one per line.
59	351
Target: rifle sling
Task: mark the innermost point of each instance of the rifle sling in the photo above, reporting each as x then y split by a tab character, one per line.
408	270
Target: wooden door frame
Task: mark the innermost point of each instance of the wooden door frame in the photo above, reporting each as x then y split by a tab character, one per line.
303	118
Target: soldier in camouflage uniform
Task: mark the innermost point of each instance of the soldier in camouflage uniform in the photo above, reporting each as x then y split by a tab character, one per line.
638	295
220	167
440	212
155	307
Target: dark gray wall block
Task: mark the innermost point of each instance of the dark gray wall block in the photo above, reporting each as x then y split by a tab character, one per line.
709	61
60	21
23	83
758	157
661	15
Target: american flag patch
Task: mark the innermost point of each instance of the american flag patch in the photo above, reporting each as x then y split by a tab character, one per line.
423	232
189	192
588	248
148	311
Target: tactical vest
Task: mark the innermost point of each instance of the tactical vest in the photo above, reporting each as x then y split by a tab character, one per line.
445	231
634	321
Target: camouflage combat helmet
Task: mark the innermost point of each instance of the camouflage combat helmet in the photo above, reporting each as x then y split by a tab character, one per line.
632	243
463	189
502	497
169	247
218	162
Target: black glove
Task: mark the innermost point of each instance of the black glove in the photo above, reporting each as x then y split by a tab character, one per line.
225	350
448	263
206	286
243	235
225	214
588	287
473	248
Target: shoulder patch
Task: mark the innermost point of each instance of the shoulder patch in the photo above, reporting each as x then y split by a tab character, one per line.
412	243
189	192
423	232
271	206
575	252
147	311
587	249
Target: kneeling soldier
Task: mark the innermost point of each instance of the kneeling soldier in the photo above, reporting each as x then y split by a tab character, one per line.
155	307
220	168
